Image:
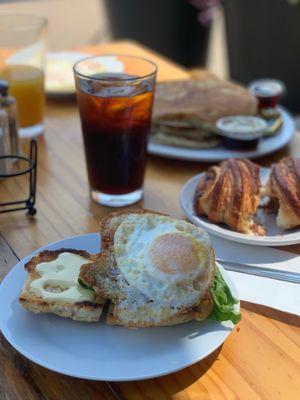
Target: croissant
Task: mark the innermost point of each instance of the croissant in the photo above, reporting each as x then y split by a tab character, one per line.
283	187
229	193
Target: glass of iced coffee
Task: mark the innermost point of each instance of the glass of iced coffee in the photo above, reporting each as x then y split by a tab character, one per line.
115	96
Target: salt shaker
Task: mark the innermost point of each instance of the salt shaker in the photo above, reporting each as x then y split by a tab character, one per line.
5	144
9	104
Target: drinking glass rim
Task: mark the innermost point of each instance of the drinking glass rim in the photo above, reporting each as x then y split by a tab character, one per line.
119	79
36	22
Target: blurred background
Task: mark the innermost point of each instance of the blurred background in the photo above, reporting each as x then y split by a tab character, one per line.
240	39
74	23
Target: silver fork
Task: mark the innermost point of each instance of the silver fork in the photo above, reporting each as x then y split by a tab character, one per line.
278	274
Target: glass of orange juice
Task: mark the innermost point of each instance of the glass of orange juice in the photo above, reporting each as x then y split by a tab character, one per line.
22	63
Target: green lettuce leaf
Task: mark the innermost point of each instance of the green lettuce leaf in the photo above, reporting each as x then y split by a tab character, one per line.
223	302
83	284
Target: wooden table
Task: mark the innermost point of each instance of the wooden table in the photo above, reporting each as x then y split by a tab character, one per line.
260	359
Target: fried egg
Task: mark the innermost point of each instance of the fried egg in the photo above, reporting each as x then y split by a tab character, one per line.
166	261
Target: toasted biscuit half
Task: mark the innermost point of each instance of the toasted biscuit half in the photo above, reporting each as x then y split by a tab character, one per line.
104	277
204	100
81	311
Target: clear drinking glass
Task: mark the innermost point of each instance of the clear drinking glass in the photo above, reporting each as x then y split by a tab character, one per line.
115	96
22	63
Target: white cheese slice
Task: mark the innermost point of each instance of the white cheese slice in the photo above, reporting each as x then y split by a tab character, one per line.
59	280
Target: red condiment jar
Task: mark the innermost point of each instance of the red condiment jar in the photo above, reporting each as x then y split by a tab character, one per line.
267	91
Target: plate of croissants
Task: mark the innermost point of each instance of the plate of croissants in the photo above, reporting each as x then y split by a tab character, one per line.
243	202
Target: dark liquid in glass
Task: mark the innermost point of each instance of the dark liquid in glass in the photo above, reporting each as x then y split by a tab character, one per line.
115	122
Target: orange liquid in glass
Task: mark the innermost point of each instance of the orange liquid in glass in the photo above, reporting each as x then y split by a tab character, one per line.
27	86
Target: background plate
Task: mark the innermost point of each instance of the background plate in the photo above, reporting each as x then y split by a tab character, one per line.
275	236
59	72
96	350
266	146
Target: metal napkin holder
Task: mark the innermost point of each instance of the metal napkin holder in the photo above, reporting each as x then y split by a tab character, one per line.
27	203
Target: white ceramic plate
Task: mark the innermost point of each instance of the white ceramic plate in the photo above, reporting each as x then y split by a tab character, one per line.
275	236
59	72
266	146
96	350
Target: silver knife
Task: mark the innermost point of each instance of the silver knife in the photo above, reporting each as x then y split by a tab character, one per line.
278	274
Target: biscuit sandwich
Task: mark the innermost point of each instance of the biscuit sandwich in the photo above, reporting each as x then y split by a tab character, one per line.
185	112
157	271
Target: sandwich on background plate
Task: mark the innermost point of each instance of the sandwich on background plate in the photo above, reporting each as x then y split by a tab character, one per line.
185	112
156	271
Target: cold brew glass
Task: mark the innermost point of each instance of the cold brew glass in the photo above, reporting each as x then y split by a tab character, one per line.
115	96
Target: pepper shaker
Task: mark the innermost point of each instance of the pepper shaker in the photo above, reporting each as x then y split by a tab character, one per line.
9	104
5	144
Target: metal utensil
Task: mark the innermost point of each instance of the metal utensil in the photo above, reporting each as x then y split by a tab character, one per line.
244	268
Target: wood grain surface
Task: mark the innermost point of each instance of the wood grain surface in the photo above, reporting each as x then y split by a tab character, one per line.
260	359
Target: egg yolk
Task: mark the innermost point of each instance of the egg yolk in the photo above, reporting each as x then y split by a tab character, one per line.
174	253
